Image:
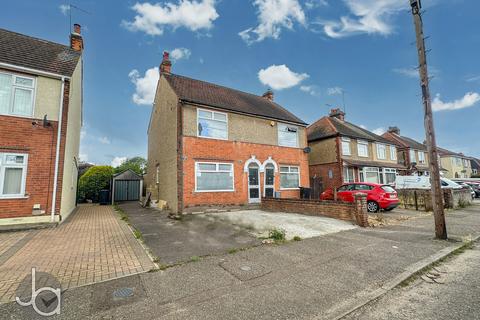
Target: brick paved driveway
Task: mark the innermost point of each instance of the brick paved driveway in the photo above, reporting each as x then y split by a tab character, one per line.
93	245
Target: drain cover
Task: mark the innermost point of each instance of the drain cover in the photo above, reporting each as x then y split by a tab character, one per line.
123	293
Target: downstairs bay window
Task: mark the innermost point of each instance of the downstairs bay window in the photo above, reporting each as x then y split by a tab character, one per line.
214	177
390	175
13	174
348	174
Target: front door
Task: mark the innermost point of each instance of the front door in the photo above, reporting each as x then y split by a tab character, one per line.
253	183
269	181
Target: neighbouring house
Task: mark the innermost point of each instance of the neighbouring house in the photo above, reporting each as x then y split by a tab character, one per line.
213	145
456	165
412	154
344	152
475	167
40	121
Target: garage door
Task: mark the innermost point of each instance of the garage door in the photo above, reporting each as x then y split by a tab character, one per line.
127	190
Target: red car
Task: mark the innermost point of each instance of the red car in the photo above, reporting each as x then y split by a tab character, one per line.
379	196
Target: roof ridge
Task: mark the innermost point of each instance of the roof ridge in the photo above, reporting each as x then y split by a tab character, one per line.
39	39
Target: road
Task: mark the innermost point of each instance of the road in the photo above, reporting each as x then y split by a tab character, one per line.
457	298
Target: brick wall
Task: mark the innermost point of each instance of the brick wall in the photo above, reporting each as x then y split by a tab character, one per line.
356	212
200	149
421	199
321	170
18	135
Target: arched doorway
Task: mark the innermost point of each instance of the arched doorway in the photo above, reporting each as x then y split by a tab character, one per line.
269	185
253	183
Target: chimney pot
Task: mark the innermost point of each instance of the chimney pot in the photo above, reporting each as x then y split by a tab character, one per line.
166	65
395	130
76	40
268	95
337	113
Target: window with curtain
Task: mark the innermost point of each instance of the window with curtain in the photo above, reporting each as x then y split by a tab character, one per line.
289	177
381	151
348	174
214	177
413	158
287	135
362	148
12	174
346	147
421	157
16	95
212	124
390	175
393	153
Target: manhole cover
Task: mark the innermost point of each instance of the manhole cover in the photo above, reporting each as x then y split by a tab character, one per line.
123	293
245	268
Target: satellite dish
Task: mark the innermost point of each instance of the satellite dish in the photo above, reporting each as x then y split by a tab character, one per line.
307	150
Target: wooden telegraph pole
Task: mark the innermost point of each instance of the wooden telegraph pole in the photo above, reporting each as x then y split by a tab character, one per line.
437	193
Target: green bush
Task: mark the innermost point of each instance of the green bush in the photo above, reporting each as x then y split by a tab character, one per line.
91	182
277	235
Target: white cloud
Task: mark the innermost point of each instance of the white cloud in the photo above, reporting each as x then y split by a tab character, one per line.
144	86
191	14
64	8
273	16
312	4
309	89
370	16
379	131
104	140
473	79
280	77
414	73
469	100
180	53
83	157
334	91
118	161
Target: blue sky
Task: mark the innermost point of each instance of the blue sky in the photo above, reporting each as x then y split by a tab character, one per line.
308	51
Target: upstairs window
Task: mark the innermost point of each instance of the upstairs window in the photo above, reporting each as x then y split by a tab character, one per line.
381	151
413	157
421	157
16	95
212	124
13	173
346	151
393	153
287	135
362	148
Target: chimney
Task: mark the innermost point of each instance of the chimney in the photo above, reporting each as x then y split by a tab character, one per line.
395	130
337	113
166	65
268	95
76	40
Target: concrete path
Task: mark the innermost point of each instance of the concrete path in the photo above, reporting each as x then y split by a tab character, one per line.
93	245
317	278
452	296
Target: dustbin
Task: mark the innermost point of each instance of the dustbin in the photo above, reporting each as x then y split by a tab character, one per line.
305	193
104	197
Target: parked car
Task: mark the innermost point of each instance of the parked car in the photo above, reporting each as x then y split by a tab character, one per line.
476	188
379	196
467	186
423	182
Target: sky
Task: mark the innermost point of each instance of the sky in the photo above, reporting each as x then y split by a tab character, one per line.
308	52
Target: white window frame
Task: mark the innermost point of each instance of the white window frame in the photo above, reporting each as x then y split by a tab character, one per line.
213	119
4	165
421	157
281	126
349	179
197	171
371	169
388	170
362	143
346	143
15	86
393	152
413	157
380	147
289	172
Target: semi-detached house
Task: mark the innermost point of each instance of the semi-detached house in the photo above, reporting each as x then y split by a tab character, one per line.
40	122
344	152
212	145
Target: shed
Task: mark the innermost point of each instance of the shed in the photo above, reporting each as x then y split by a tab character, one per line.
127	186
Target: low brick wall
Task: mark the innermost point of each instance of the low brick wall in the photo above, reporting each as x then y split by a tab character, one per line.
455	199
355	212
421	199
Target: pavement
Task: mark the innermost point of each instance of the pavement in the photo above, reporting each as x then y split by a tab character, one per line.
175	241
93	245
295	225
450	291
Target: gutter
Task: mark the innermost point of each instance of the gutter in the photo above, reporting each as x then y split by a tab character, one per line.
57	152
33	71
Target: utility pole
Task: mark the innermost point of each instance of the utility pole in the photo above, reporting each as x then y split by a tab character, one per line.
437	193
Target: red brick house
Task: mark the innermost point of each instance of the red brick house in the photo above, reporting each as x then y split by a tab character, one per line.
212	145
40	121
344	152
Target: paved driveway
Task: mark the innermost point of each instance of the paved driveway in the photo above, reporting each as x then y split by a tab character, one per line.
93	245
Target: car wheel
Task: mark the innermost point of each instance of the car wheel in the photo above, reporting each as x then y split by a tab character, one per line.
372	206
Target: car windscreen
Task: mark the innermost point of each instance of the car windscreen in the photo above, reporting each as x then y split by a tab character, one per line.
388	189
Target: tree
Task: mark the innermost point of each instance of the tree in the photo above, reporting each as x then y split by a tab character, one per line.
136	164
91	182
